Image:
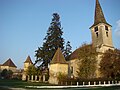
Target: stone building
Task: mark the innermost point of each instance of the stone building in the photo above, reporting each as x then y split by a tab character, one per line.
58	65
27	63
101	40
73	63
9	65
101	31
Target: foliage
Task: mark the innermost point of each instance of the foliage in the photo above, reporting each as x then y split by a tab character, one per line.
32	70
110	64
7	74
87	65
67	50
62	76
52	41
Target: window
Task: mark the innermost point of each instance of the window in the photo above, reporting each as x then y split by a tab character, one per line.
97	34
106	28
96	29
107	34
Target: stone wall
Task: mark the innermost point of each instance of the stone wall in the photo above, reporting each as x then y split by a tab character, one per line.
55	70
13	69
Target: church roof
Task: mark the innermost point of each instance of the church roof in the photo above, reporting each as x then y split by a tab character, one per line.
28	60
58	58
99	15
9	63
75	54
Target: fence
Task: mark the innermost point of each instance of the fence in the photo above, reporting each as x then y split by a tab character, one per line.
78	85
90	83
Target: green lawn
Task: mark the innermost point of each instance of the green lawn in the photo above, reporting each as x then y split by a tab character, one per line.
21	84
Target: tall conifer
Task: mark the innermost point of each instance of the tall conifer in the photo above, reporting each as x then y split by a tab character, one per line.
52	41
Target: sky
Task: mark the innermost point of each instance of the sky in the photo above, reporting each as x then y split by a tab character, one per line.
24	24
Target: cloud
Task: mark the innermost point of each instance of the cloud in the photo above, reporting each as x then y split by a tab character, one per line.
117	30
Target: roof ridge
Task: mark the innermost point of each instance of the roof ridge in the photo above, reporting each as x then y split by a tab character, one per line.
9	63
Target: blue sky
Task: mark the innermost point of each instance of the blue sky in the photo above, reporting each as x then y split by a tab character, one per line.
24	23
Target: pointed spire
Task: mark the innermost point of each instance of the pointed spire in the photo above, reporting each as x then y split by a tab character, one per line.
58	58
28	60
99	15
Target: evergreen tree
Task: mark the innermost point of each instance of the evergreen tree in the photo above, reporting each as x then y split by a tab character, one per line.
67	50
52	41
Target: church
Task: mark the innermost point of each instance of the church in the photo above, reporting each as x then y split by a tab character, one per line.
101	32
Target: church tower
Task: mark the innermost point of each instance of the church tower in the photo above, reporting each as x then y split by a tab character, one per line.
101	31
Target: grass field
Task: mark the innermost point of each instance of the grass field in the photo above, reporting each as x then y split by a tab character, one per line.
6	84
18	84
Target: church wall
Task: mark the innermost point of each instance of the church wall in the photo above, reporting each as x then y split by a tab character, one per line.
103	41
73	67
96	40
107	36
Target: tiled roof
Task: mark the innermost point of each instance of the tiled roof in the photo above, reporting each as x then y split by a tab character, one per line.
75	54
99	15
58	58
28	60
9	63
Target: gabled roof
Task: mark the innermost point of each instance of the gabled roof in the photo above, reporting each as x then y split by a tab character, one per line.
75	54
9	63
99	15
58	58
28	60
